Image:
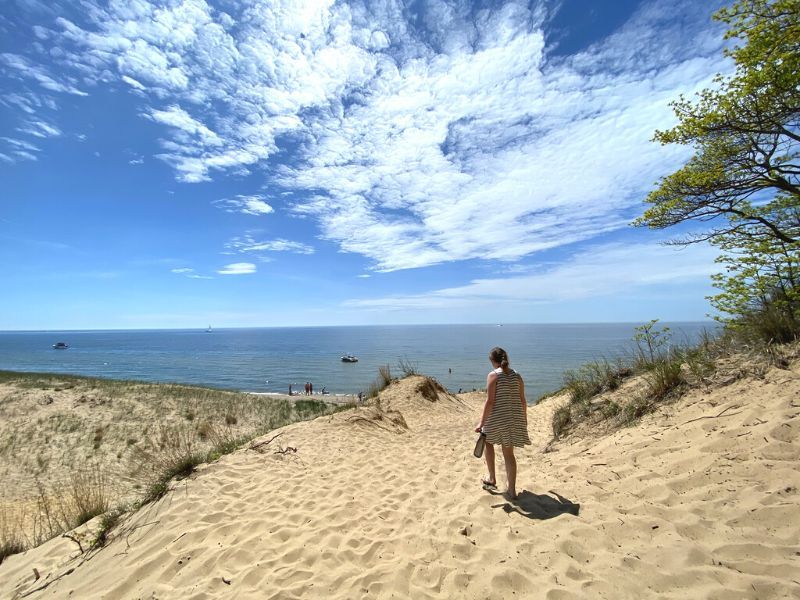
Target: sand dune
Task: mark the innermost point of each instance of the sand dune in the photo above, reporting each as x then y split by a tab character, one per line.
699	500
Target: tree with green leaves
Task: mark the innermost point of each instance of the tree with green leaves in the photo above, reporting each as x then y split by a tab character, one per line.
744	177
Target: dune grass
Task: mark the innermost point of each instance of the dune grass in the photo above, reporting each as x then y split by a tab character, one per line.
666	371
77	446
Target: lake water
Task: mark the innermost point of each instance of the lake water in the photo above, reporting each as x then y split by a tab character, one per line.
269	359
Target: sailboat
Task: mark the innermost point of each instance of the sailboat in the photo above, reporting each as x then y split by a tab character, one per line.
209	329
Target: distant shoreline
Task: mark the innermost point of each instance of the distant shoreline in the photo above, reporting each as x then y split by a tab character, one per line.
709	322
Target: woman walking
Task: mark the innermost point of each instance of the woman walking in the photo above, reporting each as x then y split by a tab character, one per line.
504	419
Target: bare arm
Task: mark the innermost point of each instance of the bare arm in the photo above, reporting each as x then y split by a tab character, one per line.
488	406
522	397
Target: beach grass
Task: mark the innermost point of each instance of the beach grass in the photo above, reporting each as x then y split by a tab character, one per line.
73	447
665	372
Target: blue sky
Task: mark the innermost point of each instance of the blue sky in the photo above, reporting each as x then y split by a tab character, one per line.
185	163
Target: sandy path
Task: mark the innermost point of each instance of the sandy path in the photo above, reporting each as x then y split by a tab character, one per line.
680	506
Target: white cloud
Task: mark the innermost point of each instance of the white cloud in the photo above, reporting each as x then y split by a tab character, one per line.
238	269
133	83
247	243
39	128
178	118
604	270
24	68
249	205
190	273
449	137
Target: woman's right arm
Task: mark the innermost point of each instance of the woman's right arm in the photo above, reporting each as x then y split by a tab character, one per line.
488	406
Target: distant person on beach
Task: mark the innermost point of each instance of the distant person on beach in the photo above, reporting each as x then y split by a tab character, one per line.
290	389
504	419
310	388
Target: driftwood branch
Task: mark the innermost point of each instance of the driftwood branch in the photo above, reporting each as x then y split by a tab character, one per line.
74	539
720	414
265	442
44	585
286	450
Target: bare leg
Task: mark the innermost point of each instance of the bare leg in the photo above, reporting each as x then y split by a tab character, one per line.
489	453
511	470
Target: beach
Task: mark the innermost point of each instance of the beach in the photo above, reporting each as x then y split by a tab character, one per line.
699	499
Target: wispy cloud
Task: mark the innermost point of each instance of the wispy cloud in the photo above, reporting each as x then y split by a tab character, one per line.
247	243
191	274
238	269
249	205
593	273
25	69
412	141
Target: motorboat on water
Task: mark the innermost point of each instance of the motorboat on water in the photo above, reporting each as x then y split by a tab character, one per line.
349	358
61	345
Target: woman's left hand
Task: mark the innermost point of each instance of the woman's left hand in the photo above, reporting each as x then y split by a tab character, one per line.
478	428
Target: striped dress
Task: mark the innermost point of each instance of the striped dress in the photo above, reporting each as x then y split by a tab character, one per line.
506	425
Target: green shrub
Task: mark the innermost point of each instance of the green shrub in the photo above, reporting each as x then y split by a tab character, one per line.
770	324
108	521
700	361
562	418
307	408
381	383
635	409
610	409
407	368
665	377
180	468
594	378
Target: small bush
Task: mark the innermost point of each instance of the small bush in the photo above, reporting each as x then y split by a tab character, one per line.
99	432
231	419
635	409
381	383
700	362
308	408
665	377
88	498
204	430
610	409
108	521
429	389
9	546
407	368
385	375
562	417
581	385
594	378
11	540
181	468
